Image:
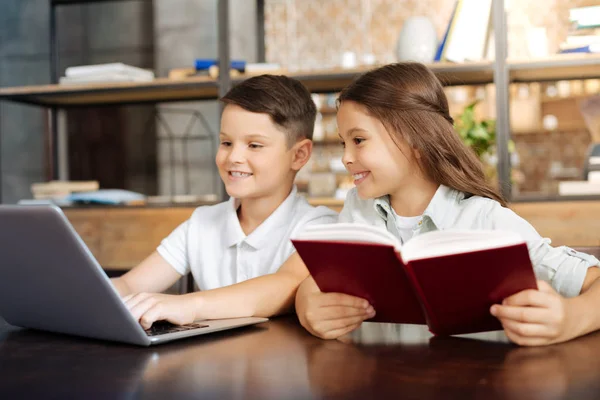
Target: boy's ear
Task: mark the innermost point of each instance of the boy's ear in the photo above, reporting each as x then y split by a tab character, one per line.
301	153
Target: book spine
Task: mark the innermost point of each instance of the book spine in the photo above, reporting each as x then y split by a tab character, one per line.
442	46
203	64
451	29
584	49
429	315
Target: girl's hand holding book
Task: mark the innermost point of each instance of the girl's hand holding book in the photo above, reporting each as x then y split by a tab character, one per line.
539	317
330	315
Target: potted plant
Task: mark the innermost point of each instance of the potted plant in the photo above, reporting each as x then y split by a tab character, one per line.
480	135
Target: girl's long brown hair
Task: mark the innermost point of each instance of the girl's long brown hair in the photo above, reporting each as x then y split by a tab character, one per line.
410	102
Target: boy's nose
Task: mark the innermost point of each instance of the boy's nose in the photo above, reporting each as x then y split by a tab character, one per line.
236	155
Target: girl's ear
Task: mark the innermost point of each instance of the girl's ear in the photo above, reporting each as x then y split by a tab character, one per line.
301	153
416	154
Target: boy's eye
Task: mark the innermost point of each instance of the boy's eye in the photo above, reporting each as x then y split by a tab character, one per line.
343	143
255	146
225	143
358	140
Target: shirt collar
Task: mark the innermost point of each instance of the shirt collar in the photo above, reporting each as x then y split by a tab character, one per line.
440	208
232	232
264	232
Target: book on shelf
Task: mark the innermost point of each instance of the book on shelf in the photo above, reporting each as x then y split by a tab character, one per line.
579	41
82	71
585	17
579	188
103	78
468	34
445	279
53	189
590	48
439	55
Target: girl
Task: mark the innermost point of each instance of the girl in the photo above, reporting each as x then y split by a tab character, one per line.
413	174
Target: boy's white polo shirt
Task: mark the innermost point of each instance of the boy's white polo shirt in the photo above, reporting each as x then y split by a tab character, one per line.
212	245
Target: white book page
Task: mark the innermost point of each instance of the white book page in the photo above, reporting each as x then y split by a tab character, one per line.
347	232
442	243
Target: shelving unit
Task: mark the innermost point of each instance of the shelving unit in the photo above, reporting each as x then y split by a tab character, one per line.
56	97
502	72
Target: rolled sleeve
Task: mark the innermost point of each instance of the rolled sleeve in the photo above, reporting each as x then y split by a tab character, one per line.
173	249
564	268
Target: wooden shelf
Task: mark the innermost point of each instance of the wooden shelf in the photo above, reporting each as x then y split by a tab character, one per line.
206	88
567	66
560	67
449	73
159	90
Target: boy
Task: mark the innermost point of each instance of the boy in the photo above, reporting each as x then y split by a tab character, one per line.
237	250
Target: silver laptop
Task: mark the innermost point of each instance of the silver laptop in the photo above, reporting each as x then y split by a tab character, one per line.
49	280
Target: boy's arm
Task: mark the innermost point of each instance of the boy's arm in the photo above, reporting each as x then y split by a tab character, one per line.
154	275
264	296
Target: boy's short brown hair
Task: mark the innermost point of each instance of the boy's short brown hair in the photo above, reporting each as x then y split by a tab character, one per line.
284	99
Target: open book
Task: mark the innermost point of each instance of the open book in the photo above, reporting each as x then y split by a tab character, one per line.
445	279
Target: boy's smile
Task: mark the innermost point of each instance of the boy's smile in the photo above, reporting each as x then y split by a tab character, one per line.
239	175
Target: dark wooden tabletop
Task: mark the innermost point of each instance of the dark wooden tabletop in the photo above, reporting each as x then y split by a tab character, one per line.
279	360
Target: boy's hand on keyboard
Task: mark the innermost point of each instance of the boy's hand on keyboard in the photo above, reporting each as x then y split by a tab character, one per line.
150	307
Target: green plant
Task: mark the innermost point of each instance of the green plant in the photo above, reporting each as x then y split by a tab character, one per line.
481	137
478	135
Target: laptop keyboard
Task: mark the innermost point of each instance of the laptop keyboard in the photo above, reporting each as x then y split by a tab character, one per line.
163	327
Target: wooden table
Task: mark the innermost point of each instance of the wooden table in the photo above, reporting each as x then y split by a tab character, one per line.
279	360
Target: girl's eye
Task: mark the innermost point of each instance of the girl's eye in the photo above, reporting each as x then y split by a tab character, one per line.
255	146
225	143
358	140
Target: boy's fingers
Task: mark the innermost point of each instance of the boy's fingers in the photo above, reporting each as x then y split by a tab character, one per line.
141	308
340	299
149	317
135	299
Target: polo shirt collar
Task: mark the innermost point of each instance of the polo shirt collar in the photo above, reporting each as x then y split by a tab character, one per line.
266	231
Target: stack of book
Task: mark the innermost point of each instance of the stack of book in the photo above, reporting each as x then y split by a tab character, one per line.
584	33
60	189
101	73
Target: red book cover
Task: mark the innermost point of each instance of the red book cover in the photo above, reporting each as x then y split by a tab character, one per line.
369	271
458	290
452	293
